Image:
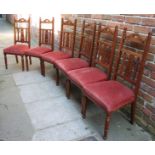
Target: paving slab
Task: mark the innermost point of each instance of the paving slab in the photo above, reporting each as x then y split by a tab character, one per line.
64	132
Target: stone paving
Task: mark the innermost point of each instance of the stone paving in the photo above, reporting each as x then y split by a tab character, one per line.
32	107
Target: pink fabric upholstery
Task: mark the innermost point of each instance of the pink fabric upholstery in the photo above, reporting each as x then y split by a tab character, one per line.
86	75
37	51
52	57
16	49
71	64
110	95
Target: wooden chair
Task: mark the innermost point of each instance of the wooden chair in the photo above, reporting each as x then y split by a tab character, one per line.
85	53
103	60
46	40
21	40
113	95
66	44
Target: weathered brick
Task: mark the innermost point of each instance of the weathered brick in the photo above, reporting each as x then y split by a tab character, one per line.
147	72
152	92
151	108
153	75
118	18
146	96
153	117
141	29
96	16
150	57
148	21
133	20
106	17
148	81
128	26
150	66
146	111
152	49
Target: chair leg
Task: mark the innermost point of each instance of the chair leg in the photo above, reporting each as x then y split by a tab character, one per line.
30	60
27	63
22	59
6	62
133	109
42	67
106	127
68	88
16	59
84	106
57	76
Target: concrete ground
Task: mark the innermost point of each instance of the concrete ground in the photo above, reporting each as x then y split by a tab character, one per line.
32	107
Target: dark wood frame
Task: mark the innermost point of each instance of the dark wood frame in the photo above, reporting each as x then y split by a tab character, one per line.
44	38
136	83
85	26
64	37
19	37
96	55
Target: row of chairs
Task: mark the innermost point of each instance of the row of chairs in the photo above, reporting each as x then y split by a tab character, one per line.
91	69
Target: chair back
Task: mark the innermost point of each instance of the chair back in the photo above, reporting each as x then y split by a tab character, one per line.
67	36
46	32
87	41
105	47
22	31
131	58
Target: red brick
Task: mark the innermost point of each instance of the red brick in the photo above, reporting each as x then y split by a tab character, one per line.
133	20
145	96
153	75
128	26
149	81
150	57
152	49
148	21
151	108
151	66
141	29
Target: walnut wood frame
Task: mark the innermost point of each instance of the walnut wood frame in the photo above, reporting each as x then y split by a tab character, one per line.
141	56
20	37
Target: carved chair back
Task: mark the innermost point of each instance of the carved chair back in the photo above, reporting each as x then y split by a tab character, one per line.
131	58
67	35
46	32
105	47
87	41
22	31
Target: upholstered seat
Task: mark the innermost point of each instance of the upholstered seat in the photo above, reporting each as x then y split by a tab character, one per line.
37	51
66	65
52	57
86	75
111	95
18	49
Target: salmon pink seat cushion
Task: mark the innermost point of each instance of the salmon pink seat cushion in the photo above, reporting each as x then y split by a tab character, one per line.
87	75
71	64
18	49
52	57
37	51
110	95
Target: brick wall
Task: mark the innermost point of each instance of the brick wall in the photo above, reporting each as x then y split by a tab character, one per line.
140	23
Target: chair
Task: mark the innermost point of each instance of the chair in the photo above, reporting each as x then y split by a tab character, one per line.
21	40
46	40
113	95
85	53
66	44
103	60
